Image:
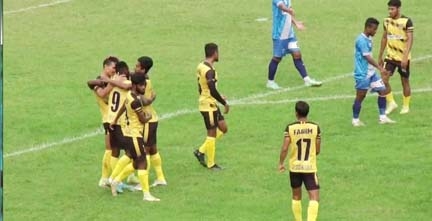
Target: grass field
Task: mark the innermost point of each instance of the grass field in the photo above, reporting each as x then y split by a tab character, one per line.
378	172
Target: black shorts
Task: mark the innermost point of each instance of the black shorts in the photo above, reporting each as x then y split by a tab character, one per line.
211	118
391	65
134	146
106	127
150	134
116	137
309	179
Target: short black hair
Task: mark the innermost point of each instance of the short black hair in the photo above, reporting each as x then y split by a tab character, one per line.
302	108
210	49
122	68
371	21
109	60
395	3
138	78
146	63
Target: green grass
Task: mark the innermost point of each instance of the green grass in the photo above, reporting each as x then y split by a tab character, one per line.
379	172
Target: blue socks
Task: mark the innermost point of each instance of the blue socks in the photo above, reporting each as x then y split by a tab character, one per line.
300	67
272	69
356	109
381	105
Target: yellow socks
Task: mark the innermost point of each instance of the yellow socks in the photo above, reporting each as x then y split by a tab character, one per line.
297	210
121	164
203	147
313	210
390	98
113	162
211	151
406	101
125	172
106	168
156	162
143	178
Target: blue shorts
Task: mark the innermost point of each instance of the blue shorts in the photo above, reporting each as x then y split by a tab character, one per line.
284	47
374	83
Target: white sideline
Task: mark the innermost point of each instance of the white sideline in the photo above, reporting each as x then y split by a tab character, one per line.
36	7
240	101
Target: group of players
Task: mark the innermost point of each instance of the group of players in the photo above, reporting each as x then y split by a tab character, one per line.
303	138
130	123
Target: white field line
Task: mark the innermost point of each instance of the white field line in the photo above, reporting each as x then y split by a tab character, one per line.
241	101
36	7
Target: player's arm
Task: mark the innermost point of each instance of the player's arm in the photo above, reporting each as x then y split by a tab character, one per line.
290	11
96	82
409	43
119	82
119	113
146	102
137	107
382	47
103	92
318	142
284	151
211	82
371	61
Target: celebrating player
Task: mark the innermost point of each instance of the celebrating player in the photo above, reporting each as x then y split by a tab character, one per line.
285	42
101	91
365	75
213	118
398	39
303	138
134	142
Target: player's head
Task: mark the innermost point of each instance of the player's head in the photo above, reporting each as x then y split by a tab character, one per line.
122	68
144	64
394	8
109	65
302	109
138	82
371	26
211	51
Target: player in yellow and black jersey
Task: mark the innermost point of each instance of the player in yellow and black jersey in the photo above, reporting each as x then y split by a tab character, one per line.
398	39
134	142
121	84
208	98
302	141
101	91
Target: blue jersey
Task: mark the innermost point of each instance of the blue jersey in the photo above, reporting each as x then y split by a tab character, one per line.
363	47
282	28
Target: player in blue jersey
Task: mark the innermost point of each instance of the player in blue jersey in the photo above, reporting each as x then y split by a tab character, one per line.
365	74
285	42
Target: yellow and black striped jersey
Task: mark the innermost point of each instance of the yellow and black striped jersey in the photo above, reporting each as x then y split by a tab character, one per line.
397	30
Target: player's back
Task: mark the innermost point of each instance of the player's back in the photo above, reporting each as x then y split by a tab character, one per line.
206	100
116	100
303	137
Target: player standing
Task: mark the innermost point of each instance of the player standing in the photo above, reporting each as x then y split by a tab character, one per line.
285	42
365	75
101	91
398	39
303	139
134	142
209	95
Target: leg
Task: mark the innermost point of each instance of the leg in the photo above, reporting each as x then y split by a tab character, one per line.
208	147
311	183
106	166
273	65
360	95
155	158
222	126
294	49
406	90
391	104
296	182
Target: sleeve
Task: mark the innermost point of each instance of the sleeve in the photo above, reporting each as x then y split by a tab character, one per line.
277	2
286	132
363	47
409	25
211	81
136	105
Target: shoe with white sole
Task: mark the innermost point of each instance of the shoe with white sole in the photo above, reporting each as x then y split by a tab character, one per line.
150	198
104	182
357	123
391	107
159	183
273	85
404	110
312	83
386	120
